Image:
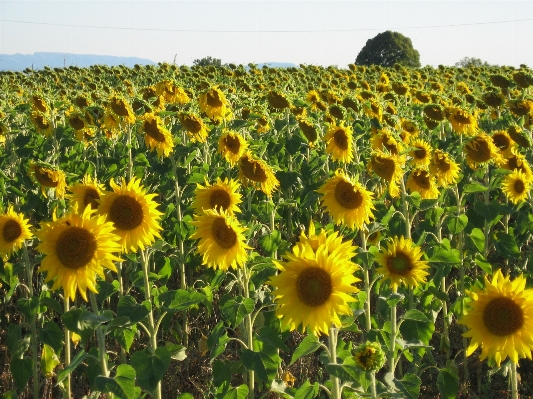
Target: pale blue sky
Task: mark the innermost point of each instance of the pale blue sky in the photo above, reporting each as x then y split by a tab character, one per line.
192	29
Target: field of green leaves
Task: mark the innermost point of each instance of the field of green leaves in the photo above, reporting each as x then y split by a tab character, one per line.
236	232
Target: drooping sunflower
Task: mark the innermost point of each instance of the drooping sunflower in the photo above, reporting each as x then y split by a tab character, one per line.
339	139
347	201
313	98
48	177
133	214
517	161
215	105
504	142
232	146
221	195
516	186
422	181
309	131
195	127
111	124
500	319
312	293
388	167
87	193
421	153
14	229
222	242
520	136
462	121
120	107
157	136
41	123
384	140
481	150
259	173
77	247
446	170
278	100
401	263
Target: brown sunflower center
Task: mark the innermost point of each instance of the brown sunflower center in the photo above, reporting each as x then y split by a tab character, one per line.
220	199
41	122
399	264
233	144
44	178
519	186
501	141
11	231
119	107
383	167
152	129
462	117
223	234
479	150
314	286
420	153
91	195
75	247
341	139
364	358
346	196
422	179
192	125
253	170
503	316
76	122
213	99
126	213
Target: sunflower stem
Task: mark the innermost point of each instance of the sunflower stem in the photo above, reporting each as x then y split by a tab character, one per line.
33	326
373	385
514	381
130	163
244	277
66	392
151	326
366	278
100	337
392	346
332	344
486	181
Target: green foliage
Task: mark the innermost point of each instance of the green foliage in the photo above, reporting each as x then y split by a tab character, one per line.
389	48
207	61
471	62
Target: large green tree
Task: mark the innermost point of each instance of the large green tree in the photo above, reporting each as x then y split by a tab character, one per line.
389	48
207	61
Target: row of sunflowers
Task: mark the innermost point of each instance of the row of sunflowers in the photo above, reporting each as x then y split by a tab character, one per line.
300	232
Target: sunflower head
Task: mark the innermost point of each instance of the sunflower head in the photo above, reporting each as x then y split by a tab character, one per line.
516	186
423	182
120	107
462	121
214	104
194	125
86	194
42	123
401	263
500	319
421	153
482	150
369	356
503	141
156	135
14	230
309	130
277	100
258	173
389	168
339	139
520	136
446	170
223	195
49	177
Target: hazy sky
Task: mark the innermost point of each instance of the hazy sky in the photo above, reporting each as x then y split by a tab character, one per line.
308	32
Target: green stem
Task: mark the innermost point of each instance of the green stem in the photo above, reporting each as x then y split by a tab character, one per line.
100	337
392	346
514	381
244	277
151	325
33	326
130	163
373	385
66	392
366	278
486	181
332	346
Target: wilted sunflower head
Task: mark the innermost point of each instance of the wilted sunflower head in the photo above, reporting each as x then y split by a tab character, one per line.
258	173
308	129
481	150
520	136
277	100
49	177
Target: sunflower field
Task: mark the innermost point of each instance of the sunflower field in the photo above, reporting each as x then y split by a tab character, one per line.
244	232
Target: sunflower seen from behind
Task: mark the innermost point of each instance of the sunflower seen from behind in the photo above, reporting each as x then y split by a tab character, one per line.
312	293
347	201
222	195
133	214
77	248
14	230
400	262
500	319
222	242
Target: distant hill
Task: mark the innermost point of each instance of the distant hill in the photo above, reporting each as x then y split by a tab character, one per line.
19	62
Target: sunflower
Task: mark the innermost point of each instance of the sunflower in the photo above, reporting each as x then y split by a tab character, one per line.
232	146
504	142
388	167
76	120
373	109
215	105
121	108
156	135
421	153
409	127
277	100
422	181
517	161
77	247
195	127
339	140
369	356
133	214
111	124
462	121
313	99
42	123
481	150
222	243
434	112
49	177
306	247
347	201
384	140
221	195
446	170
258	172
516	186
39	104
400	263
312	293
520	136
500	319
14	229
308	130
87	193
171	93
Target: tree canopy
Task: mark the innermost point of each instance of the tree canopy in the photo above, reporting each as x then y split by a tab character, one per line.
471	61
207	61
389	48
